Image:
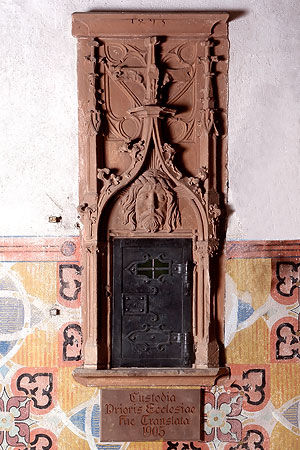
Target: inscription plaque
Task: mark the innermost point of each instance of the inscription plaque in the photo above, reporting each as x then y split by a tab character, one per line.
150	415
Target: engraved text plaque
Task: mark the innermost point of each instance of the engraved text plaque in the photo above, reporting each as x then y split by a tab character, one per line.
150	415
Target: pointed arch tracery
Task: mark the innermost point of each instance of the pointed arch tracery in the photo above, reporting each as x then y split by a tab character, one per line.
152	129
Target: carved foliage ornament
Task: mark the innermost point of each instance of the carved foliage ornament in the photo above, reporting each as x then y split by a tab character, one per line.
152	125
125	67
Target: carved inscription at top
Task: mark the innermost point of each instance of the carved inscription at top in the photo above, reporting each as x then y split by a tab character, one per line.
150	415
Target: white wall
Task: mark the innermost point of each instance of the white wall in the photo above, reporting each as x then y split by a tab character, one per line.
38	122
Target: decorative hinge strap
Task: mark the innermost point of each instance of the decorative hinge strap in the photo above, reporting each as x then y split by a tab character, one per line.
186	340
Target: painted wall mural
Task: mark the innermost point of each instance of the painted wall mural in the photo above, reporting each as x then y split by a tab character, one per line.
42	407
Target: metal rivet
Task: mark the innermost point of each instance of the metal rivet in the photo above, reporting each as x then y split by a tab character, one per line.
55	219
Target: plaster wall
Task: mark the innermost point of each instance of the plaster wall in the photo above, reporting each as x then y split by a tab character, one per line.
38	118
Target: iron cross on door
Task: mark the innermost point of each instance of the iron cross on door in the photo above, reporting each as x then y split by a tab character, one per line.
152	307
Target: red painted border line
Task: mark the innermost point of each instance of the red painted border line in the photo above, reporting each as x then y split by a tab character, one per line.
39	249
262	249
68	249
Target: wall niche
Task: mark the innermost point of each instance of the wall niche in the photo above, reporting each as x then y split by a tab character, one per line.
152	93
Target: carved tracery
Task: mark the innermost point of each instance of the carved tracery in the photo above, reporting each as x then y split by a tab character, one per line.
152	107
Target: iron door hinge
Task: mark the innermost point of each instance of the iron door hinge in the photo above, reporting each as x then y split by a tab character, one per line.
186	341
186	270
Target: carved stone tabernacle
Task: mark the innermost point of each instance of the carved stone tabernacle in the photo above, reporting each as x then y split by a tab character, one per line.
152	140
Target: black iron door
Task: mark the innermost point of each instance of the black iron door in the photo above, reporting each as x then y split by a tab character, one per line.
151	314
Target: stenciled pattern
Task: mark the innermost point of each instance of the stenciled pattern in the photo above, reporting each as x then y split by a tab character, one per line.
71	343
253	438
223	417
186	446
253	383
14	420
262	342
69	284
38	386
42	408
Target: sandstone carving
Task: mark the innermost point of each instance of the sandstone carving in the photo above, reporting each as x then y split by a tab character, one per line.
197	182
169	154
151	203
152	94
108	178
214	213
136	153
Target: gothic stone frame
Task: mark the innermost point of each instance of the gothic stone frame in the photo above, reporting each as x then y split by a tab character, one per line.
152	94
